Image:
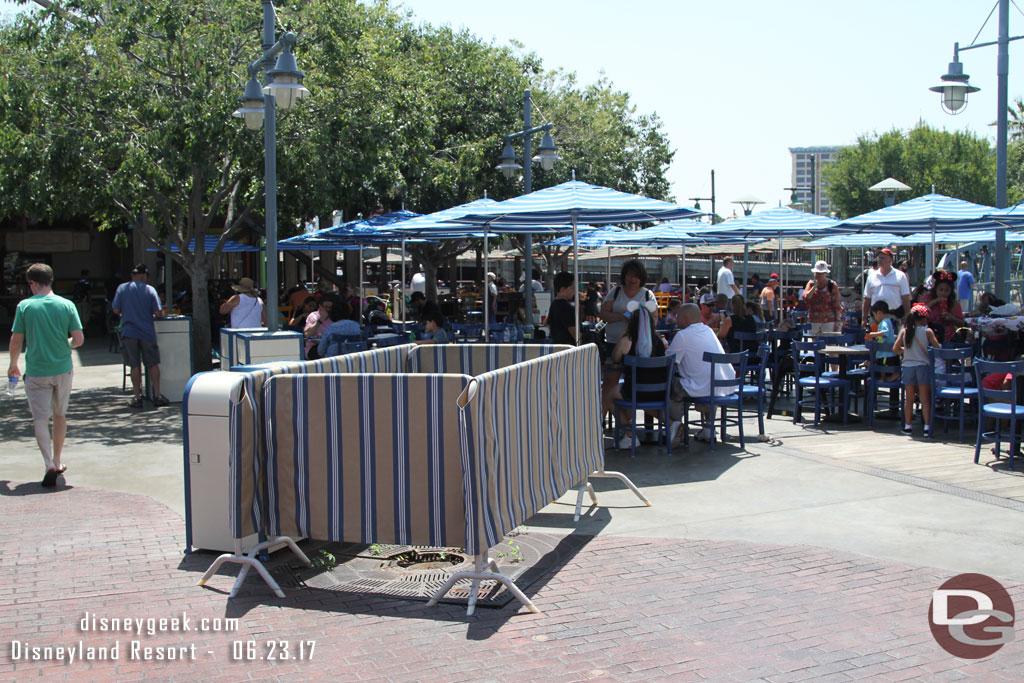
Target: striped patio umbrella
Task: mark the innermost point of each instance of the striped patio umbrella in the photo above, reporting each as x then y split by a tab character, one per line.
676	234
780	222
439	225
352	235
935	213
575	203
210	241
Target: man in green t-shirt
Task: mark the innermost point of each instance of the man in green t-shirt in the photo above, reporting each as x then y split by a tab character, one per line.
52	328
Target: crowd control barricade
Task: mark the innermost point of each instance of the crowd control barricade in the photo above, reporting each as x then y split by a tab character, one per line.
421	445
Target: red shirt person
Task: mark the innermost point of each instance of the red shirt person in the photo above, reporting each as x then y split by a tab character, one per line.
944	312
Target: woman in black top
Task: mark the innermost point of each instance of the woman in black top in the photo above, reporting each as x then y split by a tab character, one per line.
635	342
739	321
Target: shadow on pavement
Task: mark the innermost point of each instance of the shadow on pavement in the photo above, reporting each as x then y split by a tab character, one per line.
481	626
32	488
102	416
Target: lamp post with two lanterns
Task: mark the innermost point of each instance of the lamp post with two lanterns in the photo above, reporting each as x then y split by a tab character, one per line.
283	87
547	155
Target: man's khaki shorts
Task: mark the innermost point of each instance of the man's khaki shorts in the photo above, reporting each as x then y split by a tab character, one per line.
48	395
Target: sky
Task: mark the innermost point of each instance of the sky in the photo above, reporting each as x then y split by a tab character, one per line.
737	83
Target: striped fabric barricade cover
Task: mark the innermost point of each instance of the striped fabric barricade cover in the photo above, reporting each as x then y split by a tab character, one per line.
531	432
370	458
475	359
246	419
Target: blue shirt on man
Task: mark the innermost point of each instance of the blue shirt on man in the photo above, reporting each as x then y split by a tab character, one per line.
964	284
137	302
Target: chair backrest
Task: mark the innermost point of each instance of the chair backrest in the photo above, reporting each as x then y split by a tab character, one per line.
984	368
975	347
875	367
353	346
775	339
739	363
763	351
635	363
798	316
856	332
750	342
390	340
952	371
804	350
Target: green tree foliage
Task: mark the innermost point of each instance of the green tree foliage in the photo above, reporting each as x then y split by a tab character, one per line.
120	111
958	164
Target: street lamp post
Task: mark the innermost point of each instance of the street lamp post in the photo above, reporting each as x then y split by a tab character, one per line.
283	86
954	90
714	219
547	155
747	203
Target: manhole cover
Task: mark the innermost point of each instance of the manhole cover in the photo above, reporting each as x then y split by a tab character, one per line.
418	572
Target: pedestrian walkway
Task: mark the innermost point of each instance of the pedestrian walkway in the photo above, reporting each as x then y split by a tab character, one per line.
811	556
622	608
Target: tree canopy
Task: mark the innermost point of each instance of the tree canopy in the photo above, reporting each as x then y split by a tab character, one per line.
958	164
121	111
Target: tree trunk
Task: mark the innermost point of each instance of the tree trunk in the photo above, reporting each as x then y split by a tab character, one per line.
430	272
202	330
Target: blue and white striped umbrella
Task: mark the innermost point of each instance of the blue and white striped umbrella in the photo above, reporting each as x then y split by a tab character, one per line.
440	223
780	222
961	237
677	234
350	234
576	203
1010	212
353	235
934	212
931	211
210	241
857	239
590	238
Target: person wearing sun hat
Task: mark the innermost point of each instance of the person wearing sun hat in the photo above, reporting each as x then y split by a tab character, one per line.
246	307
886	284
824	305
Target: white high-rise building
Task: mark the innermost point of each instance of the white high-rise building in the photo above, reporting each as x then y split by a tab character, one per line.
807	165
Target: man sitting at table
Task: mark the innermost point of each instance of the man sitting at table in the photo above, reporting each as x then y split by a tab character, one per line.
688	346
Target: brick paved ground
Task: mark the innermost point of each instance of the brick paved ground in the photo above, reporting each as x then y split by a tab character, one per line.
621	609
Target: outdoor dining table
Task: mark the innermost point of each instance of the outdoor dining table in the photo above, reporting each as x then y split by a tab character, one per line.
844	354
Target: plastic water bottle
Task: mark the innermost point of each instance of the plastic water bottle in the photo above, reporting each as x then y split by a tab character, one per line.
12	384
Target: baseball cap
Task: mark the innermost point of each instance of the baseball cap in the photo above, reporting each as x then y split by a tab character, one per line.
773	276
140	269
707	300
887	252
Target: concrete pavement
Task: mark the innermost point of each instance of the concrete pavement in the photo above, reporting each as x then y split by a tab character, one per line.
775	530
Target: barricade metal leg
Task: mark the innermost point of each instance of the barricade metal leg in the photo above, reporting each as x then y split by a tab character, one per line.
588	488
250	561
476	576
625	480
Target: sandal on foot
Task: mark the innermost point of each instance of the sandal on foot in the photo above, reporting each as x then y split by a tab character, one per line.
50	478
